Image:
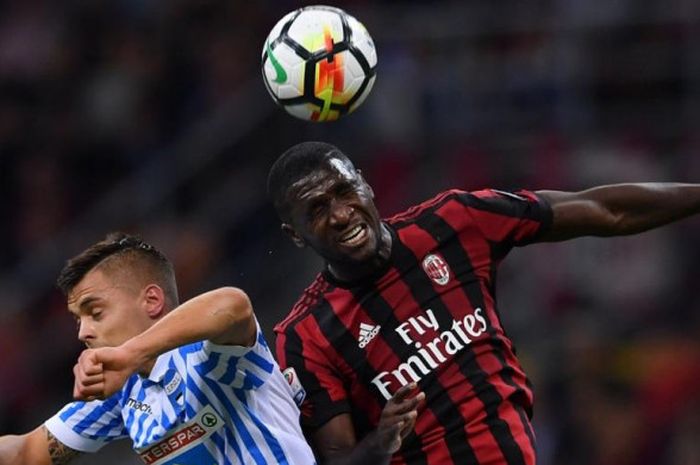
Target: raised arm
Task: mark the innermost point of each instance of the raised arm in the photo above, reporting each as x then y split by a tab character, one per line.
223	316
39	447
618	209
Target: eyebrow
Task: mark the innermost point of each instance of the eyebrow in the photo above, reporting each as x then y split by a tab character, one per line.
86	303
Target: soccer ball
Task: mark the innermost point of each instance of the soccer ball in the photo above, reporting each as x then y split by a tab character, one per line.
319	63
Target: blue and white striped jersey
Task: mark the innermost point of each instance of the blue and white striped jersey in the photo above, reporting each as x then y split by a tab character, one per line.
202	404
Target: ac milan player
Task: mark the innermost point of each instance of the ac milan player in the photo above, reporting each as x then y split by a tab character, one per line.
410	300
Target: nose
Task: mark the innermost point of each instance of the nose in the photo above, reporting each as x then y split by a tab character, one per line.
340	213
85	332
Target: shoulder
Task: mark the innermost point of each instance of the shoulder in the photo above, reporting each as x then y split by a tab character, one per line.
516	203
491	200
427	206
185	350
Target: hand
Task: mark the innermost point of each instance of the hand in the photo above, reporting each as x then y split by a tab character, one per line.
100	373
398	418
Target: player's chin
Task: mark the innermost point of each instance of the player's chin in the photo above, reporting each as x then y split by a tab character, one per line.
360	255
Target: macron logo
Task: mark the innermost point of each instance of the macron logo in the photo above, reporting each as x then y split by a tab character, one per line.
367	333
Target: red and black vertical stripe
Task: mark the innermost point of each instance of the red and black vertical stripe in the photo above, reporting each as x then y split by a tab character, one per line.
412	449
459	261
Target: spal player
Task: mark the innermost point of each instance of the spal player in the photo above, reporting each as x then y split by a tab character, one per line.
410	300
189	384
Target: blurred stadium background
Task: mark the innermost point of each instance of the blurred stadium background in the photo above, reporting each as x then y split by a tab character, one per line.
151	117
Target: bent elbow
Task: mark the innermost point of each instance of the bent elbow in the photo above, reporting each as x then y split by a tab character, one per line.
236	303
237	320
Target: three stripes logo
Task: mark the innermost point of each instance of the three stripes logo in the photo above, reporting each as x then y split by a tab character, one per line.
367	333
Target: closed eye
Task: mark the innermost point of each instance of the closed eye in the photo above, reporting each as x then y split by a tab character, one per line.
345	190
317	209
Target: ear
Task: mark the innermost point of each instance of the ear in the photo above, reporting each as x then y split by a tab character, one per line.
291	232
154	301
367	186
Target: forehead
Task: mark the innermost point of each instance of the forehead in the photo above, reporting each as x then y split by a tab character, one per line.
323	178
95	285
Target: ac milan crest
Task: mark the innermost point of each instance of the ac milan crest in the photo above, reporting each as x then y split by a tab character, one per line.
436	268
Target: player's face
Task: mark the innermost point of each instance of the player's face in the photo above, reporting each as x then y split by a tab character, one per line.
332	210
108	311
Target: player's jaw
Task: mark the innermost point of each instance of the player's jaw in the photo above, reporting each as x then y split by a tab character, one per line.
354	236
355	241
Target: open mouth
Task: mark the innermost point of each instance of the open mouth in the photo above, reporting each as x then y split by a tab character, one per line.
355	236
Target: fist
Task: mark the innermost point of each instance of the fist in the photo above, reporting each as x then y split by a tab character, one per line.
398	418
89	376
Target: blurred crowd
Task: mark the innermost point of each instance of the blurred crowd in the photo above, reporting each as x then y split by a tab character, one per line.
121	115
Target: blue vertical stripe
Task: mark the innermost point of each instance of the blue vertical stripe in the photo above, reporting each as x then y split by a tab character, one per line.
128	423
270	439
149	432
191	413
231	370
104	432
98	410
220	443
210	364
238	423
257	360
262	341
72	410
139	440
250	381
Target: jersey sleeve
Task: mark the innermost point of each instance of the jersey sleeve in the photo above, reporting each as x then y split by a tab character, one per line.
318	387
510	218
237	367
88	426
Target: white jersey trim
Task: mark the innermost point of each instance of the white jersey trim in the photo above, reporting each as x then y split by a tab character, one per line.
72	439
237	351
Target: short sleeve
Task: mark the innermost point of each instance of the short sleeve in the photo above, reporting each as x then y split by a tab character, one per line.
238	367
88	426
307	367
514	218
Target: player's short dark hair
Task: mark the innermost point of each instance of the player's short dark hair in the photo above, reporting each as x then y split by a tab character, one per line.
297	162
125	253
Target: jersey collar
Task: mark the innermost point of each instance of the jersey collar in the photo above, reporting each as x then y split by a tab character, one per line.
159	369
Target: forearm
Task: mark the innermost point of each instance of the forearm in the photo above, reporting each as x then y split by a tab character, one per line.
11	450
640	207
222	315
619	209
38	447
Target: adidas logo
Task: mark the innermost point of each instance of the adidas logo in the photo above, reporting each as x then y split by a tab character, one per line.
367	333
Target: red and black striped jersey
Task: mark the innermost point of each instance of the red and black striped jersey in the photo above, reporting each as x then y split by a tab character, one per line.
429	316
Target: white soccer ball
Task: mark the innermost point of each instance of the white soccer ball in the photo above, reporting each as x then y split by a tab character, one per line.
319	63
